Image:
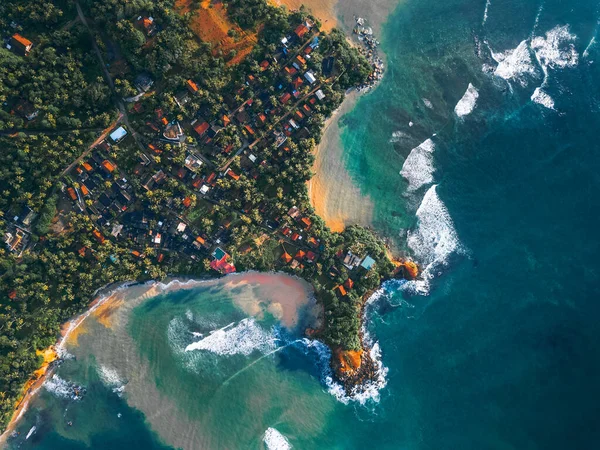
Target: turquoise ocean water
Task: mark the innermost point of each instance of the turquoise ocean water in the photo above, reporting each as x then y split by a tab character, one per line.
483	144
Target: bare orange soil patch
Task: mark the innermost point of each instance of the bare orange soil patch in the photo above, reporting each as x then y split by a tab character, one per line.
324	10
211	24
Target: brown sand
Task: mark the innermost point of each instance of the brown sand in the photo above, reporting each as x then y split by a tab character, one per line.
324	10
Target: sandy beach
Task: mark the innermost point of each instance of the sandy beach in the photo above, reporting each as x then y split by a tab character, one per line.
332	191
324	10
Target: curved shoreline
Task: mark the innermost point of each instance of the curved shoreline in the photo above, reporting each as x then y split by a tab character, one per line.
334	195
104	296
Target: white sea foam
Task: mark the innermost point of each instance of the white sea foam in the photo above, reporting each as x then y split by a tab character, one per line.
542	97
466	104
397	136
62	388
274	440
418	167
516	64
555	50
244	338
433	241
427	103
110	377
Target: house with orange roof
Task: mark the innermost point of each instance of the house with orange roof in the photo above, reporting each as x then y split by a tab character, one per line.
147	25
349	284
301	30
108	166
301	254
285	98
297	82
98	236
20	44
306	223
192	87
340	290
264	65
201	127
286	257
72	193
232	174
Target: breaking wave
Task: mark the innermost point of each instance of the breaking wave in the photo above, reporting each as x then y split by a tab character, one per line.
111	379
418	167
556	50
241	339
433	241
516	64
274	440
62	388
466	104
534	58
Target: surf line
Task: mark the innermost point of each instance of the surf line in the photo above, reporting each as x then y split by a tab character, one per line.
243	369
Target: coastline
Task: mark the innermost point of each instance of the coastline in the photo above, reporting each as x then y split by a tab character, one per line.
333	193
32	387
115	295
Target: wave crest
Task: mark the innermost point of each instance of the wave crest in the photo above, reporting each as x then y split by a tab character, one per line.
434	239
274	440
241	339
466	104
418	167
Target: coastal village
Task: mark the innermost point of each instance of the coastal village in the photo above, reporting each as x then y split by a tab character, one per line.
196	176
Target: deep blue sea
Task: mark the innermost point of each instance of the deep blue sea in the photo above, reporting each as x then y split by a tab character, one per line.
483	163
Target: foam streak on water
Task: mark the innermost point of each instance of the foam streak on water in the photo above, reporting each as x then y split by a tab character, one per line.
556	50
485	12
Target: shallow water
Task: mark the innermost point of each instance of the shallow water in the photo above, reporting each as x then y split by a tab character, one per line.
497	347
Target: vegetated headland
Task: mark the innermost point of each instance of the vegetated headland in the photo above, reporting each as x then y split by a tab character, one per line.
200	170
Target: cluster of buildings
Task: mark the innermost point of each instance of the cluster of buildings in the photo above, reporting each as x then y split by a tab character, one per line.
115	199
